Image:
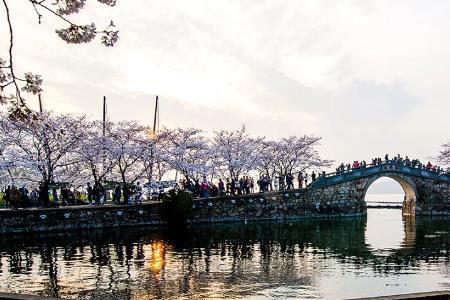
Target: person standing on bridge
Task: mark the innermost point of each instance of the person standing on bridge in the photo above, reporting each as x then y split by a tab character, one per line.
313	176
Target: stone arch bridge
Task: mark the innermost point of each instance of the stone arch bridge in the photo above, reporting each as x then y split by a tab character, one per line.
426	191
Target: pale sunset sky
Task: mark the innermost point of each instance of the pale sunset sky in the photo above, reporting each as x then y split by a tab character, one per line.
370	77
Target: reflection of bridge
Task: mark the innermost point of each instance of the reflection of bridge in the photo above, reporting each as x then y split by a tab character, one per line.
426	191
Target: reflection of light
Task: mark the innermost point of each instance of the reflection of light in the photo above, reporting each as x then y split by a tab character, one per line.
152	135
157	261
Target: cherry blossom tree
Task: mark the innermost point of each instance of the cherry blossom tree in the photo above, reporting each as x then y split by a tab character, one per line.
95	160
235	152
296	154
130	150
444	155
45	151
266	160
12	84
187	151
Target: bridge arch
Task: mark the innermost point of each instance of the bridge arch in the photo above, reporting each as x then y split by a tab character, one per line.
408	186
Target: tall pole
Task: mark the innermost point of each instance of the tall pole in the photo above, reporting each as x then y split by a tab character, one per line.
153	135
103	141
40	103
104	116
154	118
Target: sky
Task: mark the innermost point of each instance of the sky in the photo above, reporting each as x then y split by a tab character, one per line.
370	77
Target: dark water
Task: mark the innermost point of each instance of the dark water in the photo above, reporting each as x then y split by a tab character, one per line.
378	255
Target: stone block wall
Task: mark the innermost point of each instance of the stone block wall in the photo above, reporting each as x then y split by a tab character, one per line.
433	197
294	204
82	217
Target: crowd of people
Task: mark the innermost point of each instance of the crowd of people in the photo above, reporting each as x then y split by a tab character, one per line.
395	160
206	189
98	194
245	185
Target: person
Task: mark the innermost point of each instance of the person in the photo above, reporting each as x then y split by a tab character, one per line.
407	161
221	188
247	185
228	187
240	187
101	194
117	194
43	196
233	186
64	196
300	180
386	158
55	196
7	196
24	197
138	193
34	198
313	176
290	181
281	182
14	197
205	188
197	189
89	192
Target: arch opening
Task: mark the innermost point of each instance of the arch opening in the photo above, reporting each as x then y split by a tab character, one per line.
394	184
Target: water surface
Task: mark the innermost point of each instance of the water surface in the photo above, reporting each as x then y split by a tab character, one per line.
316	259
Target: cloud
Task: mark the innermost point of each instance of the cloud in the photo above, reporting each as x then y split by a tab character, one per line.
370	77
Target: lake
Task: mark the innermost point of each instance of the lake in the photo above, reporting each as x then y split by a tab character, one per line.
376	255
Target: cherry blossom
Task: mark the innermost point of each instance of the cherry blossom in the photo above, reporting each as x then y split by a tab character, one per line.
235	152
11	82
76	34
129	150
33	83
67	7
297	154
187	151
108	2
44	151
109	38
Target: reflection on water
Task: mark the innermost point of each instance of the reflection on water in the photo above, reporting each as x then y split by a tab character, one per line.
388	234
378	255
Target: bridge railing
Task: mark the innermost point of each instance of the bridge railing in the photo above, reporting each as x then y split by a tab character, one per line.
372	169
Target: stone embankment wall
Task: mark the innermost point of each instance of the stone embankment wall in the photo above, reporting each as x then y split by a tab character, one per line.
80	217
433	198
288	205
294	204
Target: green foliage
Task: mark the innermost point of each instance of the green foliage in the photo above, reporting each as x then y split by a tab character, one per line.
177	207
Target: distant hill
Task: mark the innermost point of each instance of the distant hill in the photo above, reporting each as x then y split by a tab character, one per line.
385	187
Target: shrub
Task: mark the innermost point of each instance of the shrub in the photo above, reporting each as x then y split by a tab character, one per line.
177	207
